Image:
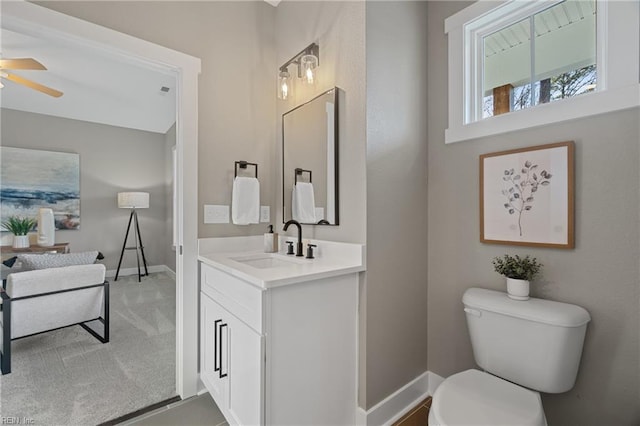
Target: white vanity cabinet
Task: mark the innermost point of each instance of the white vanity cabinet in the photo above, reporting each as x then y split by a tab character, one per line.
282	354
231	351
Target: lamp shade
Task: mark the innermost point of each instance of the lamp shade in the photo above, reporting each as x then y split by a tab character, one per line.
133	200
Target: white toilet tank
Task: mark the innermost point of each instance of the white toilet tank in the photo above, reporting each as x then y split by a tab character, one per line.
534	343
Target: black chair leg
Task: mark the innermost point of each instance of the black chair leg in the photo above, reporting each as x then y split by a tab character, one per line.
5	358
105	337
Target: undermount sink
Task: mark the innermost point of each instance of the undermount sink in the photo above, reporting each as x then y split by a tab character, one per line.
264	261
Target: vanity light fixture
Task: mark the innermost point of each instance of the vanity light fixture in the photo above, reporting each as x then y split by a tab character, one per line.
307	62
283	84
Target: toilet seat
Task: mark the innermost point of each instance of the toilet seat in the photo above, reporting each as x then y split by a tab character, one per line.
473	397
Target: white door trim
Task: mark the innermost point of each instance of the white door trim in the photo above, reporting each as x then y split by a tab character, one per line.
32	19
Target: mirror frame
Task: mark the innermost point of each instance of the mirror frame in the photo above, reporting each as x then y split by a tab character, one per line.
336	129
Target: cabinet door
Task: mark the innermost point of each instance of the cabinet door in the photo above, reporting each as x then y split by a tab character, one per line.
213	340
245	363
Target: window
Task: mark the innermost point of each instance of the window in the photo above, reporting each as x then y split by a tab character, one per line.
557	62
524	64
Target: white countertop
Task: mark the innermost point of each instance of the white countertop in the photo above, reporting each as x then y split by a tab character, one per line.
332	259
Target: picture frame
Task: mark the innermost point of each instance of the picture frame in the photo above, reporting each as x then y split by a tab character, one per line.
527	196
31	179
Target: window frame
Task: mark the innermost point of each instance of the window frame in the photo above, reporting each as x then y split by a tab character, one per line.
618	83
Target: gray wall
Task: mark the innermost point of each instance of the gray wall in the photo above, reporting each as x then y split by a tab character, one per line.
600	274
338	28
396	196
237	98
112	159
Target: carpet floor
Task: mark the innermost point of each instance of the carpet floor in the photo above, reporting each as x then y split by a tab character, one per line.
67	377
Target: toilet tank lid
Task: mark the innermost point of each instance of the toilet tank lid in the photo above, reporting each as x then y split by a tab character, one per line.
539	310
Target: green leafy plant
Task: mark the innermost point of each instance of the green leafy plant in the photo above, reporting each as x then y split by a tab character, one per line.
516	267
19	225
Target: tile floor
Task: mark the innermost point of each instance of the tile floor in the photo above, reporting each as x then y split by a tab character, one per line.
196	411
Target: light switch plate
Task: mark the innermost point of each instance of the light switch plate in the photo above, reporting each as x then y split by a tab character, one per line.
265	214
216	214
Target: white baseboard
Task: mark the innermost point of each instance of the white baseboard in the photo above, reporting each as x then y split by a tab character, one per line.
399	403
170	272
134	271
361	417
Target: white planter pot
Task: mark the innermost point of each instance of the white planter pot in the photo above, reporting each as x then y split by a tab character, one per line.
20	241
518	289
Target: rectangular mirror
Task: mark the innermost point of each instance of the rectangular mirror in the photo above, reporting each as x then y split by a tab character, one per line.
310	161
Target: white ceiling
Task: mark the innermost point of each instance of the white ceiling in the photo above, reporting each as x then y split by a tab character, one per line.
97	87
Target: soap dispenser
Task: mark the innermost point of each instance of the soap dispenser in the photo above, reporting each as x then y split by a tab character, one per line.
271	241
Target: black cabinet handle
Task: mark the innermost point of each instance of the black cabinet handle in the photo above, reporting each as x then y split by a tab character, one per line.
220	373
216	367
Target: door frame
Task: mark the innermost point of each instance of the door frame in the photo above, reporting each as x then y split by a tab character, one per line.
32	19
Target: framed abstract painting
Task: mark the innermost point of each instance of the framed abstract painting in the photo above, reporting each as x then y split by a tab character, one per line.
527	196
31	179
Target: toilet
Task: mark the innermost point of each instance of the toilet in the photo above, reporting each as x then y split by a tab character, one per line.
523	348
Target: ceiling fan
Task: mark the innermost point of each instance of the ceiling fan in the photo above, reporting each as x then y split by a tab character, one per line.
25	64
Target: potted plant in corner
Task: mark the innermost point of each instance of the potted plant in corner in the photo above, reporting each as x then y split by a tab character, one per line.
518	271
19	227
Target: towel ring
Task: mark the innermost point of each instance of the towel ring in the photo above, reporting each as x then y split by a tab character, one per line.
243	165
298	172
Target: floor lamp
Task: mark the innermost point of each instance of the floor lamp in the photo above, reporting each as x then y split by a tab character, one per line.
133	201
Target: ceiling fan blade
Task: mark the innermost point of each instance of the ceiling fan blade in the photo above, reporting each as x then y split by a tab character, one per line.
32	84
21	64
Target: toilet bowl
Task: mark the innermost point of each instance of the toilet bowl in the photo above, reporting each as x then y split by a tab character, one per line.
473	397
524	347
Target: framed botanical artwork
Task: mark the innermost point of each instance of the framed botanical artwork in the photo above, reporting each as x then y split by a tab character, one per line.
527	196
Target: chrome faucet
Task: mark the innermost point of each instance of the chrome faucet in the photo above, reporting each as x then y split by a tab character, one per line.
299	245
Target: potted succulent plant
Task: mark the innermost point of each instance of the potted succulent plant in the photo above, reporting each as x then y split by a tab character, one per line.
518	271
19	227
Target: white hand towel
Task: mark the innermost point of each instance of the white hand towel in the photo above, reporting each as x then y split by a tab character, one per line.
303	203
245	201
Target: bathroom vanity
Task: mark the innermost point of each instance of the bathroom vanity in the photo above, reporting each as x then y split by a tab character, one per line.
278	333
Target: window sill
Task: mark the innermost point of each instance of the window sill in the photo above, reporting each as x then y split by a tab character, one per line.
565	110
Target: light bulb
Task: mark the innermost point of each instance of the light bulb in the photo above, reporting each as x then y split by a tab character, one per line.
309	63
283	84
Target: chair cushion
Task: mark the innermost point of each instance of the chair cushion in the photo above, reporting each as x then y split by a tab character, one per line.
32	262
20	284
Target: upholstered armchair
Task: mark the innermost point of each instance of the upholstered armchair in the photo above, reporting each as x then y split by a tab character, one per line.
43	300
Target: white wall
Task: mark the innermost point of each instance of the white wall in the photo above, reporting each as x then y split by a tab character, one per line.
112	159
